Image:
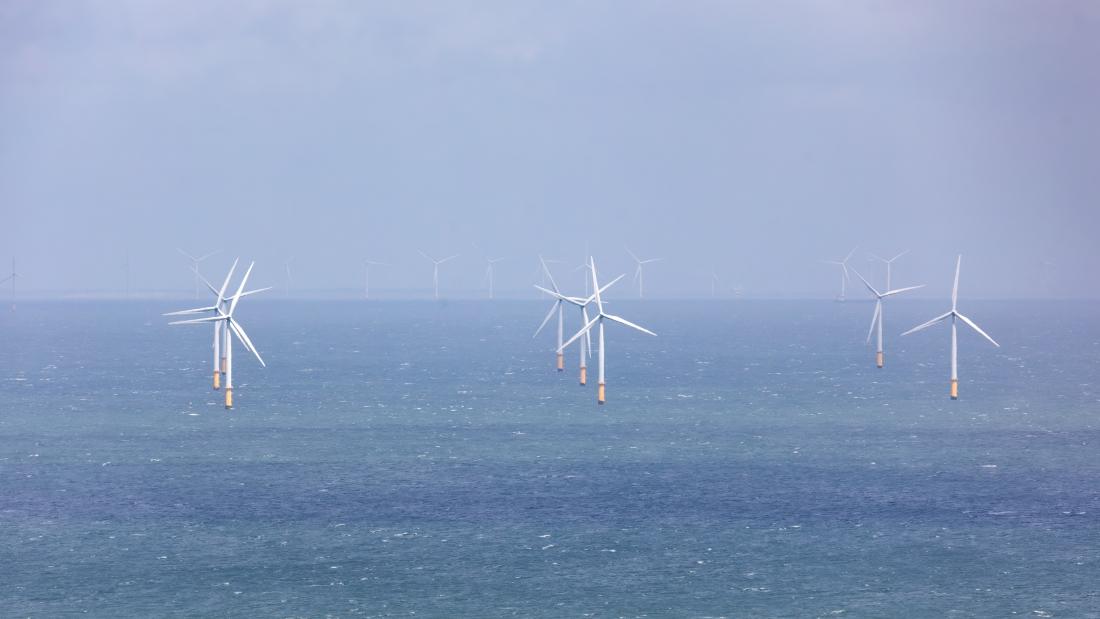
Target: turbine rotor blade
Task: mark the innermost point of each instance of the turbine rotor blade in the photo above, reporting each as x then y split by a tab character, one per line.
549	315
955	288
935	320
243	337
626	322
900	290
874	318
978	329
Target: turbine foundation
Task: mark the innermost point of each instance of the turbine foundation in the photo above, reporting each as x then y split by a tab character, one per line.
217	380
879	358
601	395
228	398
584	376
561	362
954	389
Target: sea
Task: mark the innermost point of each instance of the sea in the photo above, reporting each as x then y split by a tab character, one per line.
425	459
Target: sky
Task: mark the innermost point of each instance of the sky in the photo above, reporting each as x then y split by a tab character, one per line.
748	139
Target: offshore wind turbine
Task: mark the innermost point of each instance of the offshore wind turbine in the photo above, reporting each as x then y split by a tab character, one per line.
195	261
888	264
220	306
435	270
560	299
844	277
231	325
877	317
599	320
489	272
953	315
286	266
366	278
638	276
14	276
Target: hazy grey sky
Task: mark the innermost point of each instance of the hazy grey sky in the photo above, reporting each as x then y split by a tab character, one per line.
757	137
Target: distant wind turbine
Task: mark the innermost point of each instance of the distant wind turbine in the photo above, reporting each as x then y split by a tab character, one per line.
435	270
844	277
489	272
877	317
638	276
888	263
14	276
953	315
286	266
195	261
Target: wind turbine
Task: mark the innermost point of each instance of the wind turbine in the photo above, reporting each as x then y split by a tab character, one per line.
366	281
220	306
599	319
435	270
286	265
953	315
489	272
888	263
559	300
14	276
638	270
231	324
877	317
195	261
844	277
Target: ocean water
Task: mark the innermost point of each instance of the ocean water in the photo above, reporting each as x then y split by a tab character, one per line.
424	459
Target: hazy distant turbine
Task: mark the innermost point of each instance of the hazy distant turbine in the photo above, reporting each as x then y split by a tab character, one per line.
435	270
638	276
844	277
195	261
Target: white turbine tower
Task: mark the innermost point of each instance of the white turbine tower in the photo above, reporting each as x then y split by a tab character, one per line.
435	270
233	325
220	306
366	280
638	276
195	261
489	272
888	264
14	276
953	315
599	319
844	277
559	300
877	317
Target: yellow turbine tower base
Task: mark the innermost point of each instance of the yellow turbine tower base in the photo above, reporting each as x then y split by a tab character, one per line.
954	389
229	398
217	380
878	358
601	395
584	376
561	362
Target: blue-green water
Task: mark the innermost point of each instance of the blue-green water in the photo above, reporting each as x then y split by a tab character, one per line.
420	459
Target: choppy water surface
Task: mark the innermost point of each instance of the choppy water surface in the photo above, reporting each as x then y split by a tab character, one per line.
419	458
